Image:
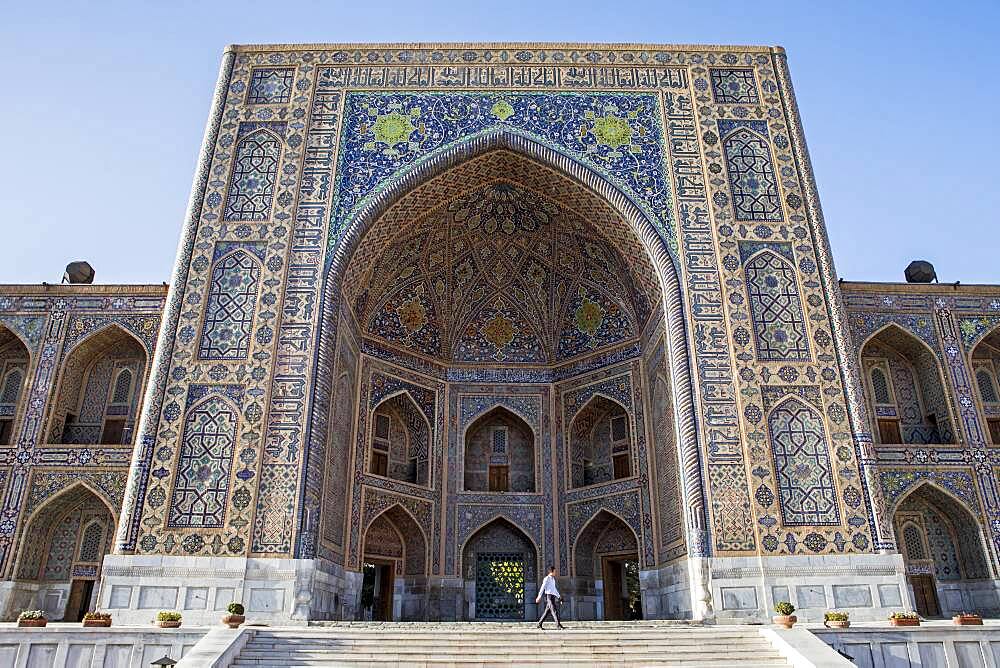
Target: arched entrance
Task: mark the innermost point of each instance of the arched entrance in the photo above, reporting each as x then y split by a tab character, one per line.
600	443
606	570
14	364
394	568
506	272
99	388
64	543
905	390
500	569
941	542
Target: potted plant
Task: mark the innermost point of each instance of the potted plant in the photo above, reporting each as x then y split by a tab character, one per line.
967	619
904	619
32	618
168	619
784	617
97	620
833	619
235	616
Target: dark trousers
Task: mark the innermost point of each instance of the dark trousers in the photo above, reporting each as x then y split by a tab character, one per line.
551	605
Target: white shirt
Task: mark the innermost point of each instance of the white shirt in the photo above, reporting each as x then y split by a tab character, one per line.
548	587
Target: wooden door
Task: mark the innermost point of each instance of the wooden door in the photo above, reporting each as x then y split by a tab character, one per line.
113	430
925	595
79	600
888	431
386	576
499	481
612	570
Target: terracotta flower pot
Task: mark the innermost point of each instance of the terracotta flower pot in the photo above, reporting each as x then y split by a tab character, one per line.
904	622
96	623
169	625
788	621
837	624
32	623
967	620
233	621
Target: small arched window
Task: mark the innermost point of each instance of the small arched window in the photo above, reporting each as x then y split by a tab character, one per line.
914	541
92	542
987	389
880	386
123	388
11	387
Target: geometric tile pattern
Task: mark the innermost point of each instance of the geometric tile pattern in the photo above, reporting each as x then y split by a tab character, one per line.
752	180
255	171
779	324
203	468
802	462
270	85
734	86
229	313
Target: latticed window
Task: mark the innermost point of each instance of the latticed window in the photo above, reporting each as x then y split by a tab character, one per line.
880	387
202	484
255	173
987	389
11	387
914	541
751	176
92	542
802	461
500	440
779	325
232	301
123	388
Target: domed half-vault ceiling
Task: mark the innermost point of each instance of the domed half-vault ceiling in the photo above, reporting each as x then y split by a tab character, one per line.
495	272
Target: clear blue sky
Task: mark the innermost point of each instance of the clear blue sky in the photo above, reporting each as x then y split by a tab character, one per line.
104	104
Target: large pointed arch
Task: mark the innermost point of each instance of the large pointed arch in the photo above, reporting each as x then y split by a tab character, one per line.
15	365
626	206
76	379
984	365
926	391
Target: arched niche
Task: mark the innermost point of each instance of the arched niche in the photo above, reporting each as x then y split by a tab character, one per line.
98	394
63	546
600	441
606	568
942	546
499	453
400	441
986	374
905	389
14	363
500	569
394	568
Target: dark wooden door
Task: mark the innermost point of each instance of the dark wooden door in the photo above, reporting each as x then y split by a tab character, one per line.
612	570
888	431
386	578
79	600
499	481
925	595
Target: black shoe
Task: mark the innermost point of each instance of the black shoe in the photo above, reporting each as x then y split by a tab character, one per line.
560	627
540	626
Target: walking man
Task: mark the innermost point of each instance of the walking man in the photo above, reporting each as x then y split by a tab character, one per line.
552	598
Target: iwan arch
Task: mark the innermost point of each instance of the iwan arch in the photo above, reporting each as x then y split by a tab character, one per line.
444	315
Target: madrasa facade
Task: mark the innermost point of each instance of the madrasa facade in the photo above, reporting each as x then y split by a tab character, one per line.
445	315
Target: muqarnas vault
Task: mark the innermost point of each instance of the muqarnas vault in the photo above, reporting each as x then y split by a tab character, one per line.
445	315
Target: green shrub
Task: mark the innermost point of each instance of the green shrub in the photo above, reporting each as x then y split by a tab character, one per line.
168	616
904	615
784	608
836	616
235	609
31	614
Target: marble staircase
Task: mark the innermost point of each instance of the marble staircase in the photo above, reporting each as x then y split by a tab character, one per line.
476	644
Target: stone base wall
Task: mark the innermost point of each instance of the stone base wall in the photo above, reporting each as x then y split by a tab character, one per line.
868	586
982	596
110	648
886	646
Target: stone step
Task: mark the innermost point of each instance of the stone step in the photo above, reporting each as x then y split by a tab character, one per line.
533	634
550	646
656	662
549	636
